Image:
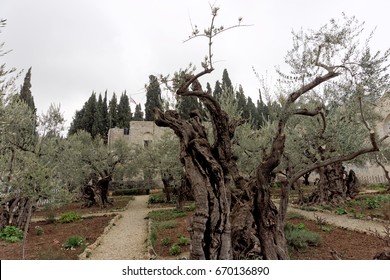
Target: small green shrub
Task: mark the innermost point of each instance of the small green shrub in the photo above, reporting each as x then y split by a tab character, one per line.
175	250
309	208
11	234
38	230
299	238
340	211
295	215
372	203
167	224
156	198
69	217
326	228
166	241
182	240
358	215
166	215
153	235
73	242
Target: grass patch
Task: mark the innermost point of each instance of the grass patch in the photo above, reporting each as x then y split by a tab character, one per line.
295	215
69	217
166	215
73	242
167	224
309	208
326	228
299	238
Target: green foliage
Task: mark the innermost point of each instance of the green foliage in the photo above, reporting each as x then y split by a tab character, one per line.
153	235
167	224
156	198
326	228
153	98
38	230
183	240
138	114
165	215
73	242
124	112
299	238
175	250
295	215
11	234
166	241
69	217
340	211
131	192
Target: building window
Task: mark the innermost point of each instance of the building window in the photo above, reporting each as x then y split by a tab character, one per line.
126	131
147	143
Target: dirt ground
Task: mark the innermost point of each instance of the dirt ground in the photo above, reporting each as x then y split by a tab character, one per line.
348	245
49	244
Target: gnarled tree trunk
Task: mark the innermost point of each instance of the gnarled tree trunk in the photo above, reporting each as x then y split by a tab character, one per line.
210	229
335	185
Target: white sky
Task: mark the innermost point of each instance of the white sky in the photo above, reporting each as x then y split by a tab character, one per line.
79	46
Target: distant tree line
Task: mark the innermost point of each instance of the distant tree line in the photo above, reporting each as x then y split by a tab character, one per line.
98	114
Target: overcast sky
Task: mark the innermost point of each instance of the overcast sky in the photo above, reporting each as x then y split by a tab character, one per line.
78	46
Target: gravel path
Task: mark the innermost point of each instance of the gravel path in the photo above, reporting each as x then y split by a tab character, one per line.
342	221
127	239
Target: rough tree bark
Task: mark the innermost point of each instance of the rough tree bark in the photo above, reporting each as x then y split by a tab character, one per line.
16	212
211	228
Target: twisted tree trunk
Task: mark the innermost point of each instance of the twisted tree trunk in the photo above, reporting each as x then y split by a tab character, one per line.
211	229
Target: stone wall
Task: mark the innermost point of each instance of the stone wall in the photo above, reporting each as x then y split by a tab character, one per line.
140	133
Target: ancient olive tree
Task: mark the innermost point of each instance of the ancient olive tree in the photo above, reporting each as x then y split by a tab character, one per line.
235	216
94	165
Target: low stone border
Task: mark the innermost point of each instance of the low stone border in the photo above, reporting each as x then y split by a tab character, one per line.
90	248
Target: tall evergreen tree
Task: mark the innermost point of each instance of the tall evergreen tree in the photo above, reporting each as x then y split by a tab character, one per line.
153	98
113	111
226	82
138	114
124	112
186	105
25	91
217	93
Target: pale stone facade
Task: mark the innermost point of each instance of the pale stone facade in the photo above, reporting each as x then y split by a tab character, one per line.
141	133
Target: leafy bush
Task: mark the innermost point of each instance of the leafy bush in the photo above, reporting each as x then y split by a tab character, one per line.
340	211
326	228
166	215
11	234
156	198
175	250
182	240
372	203
131	192
167	224
38	230
73	242
299	237
69	217
166	241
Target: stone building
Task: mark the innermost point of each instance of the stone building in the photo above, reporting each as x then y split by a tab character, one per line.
141	133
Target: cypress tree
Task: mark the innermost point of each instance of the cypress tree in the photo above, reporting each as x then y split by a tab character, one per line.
153	98
124	112
138	114
25	91
113	111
